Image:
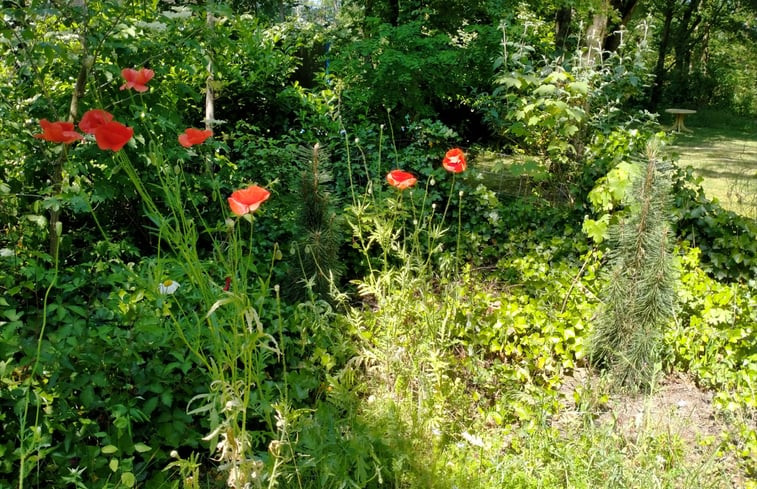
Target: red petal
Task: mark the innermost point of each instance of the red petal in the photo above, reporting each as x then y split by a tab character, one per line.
144	75
237	207
58	132
113	135
401	179
92	119
251	195
454	161
192	136
184	140
129	74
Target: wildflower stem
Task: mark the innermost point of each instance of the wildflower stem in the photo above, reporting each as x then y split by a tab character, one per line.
22	436
459	231
449	197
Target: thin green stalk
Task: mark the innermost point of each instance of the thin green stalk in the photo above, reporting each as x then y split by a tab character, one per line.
349	169
394	142
387	246
22	458
449	197
459	231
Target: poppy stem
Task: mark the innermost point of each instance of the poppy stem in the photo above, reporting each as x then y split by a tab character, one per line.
459	231
449	197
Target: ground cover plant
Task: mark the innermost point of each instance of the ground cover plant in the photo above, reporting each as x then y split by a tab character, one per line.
274	245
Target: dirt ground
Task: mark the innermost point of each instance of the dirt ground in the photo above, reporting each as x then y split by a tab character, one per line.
677	412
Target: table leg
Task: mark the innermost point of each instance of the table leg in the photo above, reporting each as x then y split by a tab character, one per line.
679	125
683	127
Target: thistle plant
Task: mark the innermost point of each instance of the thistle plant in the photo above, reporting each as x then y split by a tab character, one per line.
639	295
409	323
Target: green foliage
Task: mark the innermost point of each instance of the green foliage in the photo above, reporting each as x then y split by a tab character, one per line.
728	240
317	267
553	106
113	376
639	296
473	308
548	119
714	338
412	71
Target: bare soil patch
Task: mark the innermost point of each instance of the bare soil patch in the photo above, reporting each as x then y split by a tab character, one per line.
677	413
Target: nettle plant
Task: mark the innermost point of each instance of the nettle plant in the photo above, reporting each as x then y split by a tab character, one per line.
226	292
550	106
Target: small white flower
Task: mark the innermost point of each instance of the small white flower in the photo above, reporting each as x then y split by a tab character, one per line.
474	440
168	287
178	13
6	252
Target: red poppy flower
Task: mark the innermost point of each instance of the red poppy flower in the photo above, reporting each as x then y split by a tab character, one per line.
247	200
194	136
58	132
113	135
454	161
136	79
401	179
92	119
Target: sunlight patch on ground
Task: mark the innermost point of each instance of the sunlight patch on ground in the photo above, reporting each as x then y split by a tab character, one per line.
727	161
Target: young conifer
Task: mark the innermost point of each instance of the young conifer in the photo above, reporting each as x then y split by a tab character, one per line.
317	264
638	299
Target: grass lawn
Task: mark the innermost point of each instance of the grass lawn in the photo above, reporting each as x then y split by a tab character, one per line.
723	150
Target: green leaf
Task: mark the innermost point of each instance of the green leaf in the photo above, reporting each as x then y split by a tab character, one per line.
578	87
510	82
113	464
39	220
108	449
128	479
141	447
597	230
166	397
545	90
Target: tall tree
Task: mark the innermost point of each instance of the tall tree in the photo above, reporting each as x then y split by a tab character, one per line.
662	50
624	10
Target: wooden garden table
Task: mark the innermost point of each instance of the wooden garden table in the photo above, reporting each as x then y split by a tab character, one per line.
678	125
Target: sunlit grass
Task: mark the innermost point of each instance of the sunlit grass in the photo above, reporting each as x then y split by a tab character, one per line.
723	151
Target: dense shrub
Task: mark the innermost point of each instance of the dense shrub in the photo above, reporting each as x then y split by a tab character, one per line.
728	241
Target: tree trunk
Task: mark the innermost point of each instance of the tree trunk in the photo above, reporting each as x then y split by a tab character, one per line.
595	34
562	27
209	94
57	176
662	52
625	10
682	47
394	7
